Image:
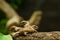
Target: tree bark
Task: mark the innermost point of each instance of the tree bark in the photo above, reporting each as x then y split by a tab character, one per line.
40	36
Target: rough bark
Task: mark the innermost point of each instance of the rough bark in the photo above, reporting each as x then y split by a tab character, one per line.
40	36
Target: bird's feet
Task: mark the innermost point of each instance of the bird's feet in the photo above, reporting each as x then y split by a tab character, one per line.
24	29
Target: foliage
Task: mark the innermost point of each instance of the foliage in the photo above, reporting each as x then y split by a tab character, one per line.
5	37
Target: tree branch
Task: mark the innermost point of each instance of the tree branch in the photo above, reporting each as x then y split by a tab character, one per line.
40	36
